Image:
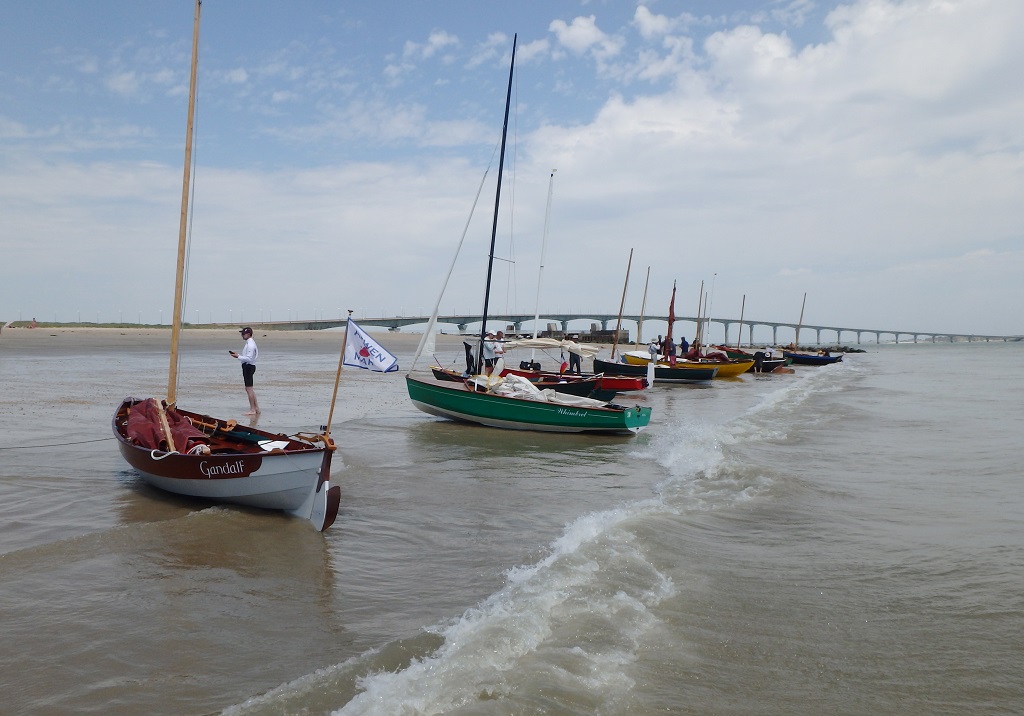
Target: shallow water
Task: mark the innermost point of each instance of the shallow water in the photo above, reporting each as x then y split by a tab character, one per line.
842	540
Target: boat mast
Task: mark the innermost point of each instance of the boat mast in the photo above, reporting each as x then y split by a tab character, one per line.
622	305
796	343
543	244
497	199
700	305
739	336
643	306
179	278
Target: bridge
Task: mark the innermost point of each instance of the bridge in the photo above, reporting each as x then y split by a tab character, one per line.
608	321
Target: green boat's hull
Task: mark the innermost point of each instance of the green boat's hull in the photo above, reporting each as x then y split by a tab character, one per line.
455	402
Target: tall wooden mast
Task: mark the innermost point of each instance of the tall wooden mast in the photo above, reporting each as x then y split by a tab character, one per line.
179	276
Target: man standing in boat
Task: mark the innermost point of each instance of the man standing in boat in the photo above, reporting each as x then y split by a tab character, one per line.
248	357
489	353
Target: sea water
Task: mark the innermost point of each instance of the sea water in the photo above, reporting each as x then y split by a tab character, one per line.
844	540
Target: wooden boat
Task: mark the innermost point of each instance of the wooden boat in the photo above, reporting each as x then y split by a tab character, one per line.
764	361
727	368
610	383
799	358
191	454
559	414
531	369
663	372
511	401
589	387
226	462
802	357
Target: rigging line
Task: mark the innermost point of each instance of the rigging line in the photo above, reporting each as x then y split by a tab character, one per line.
428	331
35	447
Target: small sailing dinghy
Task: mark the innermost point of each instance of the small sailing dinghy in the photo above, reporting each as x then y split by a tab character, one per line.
192	454
512	401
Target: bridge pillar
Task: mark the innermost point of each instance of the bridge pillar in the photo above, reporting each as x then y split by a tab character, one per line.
565	326
818	337
775	335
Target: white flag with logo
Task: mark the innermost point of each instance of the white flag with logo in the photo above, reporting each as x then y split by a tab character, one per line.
361	351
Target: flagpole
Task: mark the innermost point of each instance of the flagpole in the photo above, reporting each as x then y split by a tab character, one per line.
337	376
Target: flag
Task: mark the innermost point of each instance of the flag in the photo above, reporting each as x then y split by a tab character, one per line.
671	313
361	351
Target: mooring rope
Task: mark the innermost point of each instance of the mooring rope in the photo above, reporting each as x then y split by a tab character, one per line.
36	447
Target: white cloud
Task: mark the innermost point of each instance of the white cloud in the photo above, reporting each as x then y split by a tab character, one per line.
436	42
124	83
236	76
650	25
582	35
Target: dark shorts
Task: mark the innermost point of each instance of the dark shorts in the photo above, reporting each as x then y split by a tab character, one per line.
489	362
247	370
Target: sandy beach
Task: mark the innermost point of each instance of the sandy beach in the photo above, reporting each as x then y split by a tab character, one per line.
87	338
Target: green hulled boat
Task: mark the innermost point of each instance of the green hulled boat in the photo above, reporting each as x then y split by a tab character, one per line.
557	414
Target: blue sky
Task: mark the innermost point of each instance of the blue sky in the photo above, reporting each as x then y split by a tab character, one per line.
868	153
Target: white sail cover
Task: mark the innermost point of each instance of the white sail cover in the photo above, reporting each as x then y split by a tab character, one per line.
586	351
515	386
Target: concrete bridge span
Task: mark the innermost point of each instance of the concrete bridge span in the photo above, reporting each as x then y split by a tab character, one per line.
786	335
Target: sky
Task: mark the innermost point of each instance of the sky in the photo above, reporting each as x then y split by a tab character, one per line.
866	153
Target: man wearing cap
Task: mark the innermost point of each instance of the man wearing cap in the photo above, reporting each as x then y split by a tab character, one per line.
248	357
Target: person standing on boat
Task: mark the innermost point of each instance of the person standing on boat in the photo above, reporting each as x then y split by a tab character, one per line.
653	347
489	353
670	350
575	363
499	346
684	347
248	357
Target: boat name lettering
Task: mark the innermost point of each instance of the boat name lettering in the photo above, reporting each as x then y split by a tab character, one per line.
572	413
235	468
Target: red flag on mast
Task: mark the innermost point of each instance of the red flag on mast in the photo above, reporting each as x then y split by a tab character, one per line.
669	348
671	312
